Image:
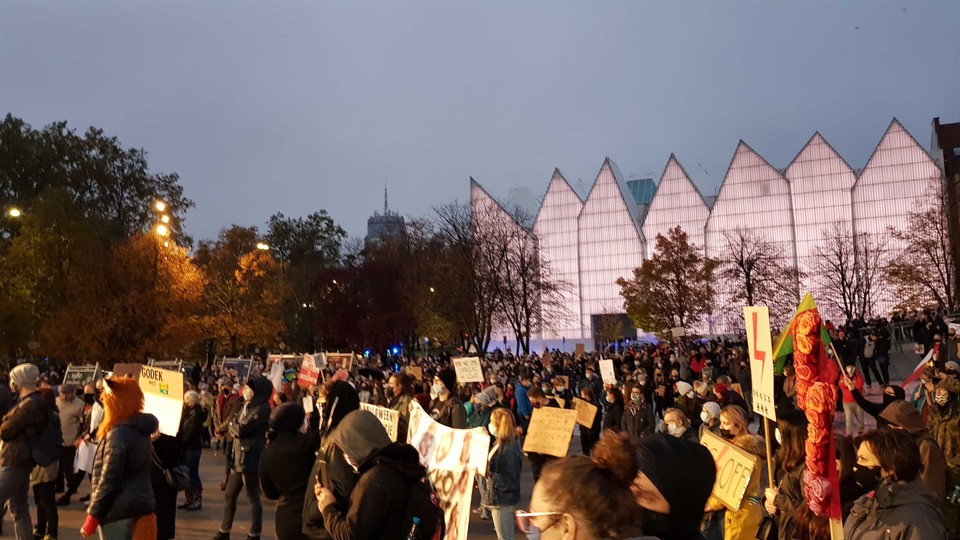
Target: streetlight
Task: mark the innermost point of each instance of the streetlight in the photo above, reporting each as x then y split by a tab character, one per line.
14	212
431	289
162	230
165	219
263	247
160	206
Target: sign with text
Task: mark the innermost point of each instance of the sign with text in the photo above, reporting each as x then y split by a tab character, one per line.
238	368
416	372
81	375
580	349
388	417
678	332
760	349
163	396
339	360
550	431
735	468
607	372
452	457
309	374
586	412
468	369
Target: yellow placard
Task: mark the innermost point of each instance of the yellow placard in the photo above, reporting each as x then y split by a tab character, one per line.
388	417
586	412
163	396
550	431
735	468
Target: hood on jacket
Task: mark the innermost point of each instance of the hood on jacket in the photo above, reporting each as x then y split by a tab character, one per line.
286	418
404	458
890	494
361	436
262	389
903	414
347	400
684	472
145	423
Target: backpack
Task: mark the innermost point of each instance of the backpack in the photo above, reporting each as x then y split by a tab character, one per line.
46	450
424	503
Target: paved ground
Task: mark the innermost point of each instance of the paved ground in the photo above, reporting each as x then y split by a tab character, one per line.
202	525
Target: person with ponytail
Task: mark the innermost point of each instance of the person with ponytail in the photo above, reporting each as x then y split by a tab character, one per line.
602	505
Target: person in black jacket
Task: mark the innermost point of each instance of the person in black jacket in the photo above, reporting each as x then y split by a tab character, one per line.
249	431
191	444
285	467
122	499
166	454
613	419
378	504
445	406
590	436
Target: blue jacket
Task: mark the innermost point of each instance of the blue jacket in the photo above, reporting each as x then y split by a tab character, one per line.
524	408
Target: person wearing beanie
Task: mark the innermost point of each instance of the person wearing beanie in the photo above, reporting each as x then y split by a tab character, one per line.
445	407
904	416
674	480
710	418
190	437
28	416
285	467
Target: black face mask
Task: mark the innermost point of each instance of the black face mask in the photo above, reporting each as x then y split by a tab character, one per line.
225	392
89	399
888	399
725	433
866	477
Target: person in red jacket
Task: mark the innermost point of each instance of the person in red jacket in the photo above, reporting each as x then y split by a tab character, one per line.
852	411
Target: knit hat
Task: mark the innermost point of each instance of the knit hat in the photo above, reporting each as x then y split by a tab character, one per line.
25	375
449	378
684	473
713	408
484	399
683	388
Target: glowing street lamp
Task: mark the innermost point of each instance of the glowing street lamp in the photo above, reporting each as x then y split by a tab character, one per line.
263	247
165	219
14	212
160	206
162	230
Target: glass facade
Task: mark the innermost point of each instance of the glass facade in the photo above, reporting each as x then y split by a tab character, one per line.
589	244
676	202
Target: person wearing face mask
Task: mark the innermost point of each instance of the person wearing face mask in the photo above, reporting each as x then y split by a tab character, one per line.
190	439
710	418
904	416
592	381
613	417
446	408
249	430
537	461
676	424
943	425
852	413
688	403
285	467
561	391
786	500
505	462
898	504
229	405
399	396
638	417
590	436
87	446
71	418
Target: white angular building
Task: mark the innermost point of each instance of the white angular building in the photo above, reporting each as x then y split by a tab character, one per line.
590	243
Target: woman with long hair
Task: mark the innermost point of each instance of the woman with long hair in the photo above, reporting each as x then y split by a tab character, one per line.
504	464
745	522
612	420
784	501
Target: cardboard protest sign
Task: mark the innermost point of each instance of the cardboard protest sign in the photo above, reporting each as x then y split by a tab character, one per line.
416	372
735	468
388	417
308	404
339	360
607	372
580	349
586	412
678	331
236	367
276	375
560	401
760	349
163	396
550	431
451	457
81	375
309	374
468	369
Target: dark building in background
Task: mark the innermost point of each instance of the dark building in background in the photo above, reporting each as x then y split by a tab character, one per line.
385	225
945	148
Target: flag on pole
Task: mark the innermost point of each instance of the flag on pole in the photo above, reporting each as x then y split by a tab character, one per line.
915	376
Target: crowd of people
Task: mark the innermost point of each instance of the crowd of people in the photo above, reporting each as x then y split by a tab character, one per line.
639	470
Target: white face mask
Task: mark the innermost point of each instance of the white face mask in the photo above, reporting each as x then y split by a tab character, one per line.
705	417
492	429
675	430
776	435
437	388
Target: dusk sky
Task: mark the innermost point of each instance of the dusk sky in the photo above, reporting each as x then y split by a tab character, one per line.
294	107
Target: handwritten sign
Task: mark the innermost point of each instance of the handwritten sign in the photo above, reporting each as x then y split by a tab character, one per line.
757	320
163	396
562	402
735	468
388	417
468	369
607	373
81	374
550	431
416	372
580	349
586	412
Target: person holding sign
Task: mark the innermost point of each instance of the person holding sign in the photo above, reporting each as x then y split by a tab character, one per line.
537	460
590	435
502	493
785	500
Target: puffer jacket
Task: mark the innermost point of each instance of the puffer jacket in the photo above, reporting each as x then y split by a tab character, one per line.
249	428
896	512
121	486
20	429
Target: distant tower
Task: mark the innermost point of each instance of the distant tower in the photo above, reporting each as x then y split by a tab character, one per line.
380	226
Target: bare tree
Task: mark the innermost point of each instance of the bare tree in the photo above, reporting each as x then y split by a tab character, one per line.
849	270
755	271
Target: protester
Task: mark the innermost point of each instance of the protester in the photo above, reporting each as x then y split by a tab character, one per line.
710	415
285	468
638	417
745	522
249	431
28	416
784	501
613	418
71	417
901	505
122	503
585	498
229	405
43	480
190	437
502	480
166	454
445	407
537	460
93	413
676	424
399	396
902	415
590	435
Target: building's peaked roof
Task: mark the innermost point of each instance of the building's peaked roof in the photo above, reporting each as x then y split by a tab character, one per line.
742	152
893	130
478	188
557	183
674	163
625	194
816	140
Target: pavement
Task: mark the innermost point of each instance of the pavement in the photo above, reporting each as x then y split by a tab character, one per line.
204	524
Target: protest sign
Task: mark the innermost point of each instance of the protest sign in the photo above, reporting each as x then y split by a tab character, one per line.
388	417
560	401
735	468
550	431
451	457
678	331
239	368
416	372
607	373
81	375
339	360
173	365
580	349
163	396
308	404
586	412
468	369
309	374
276	375
760	349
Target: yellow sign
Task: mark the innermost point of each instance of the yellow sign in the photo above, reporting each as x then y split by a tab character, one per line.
163	396
550	431
388	417
735	468
757	320
586	412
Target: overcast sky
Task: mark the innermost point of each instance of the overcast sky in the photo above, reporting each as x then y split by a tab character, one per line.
299	106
